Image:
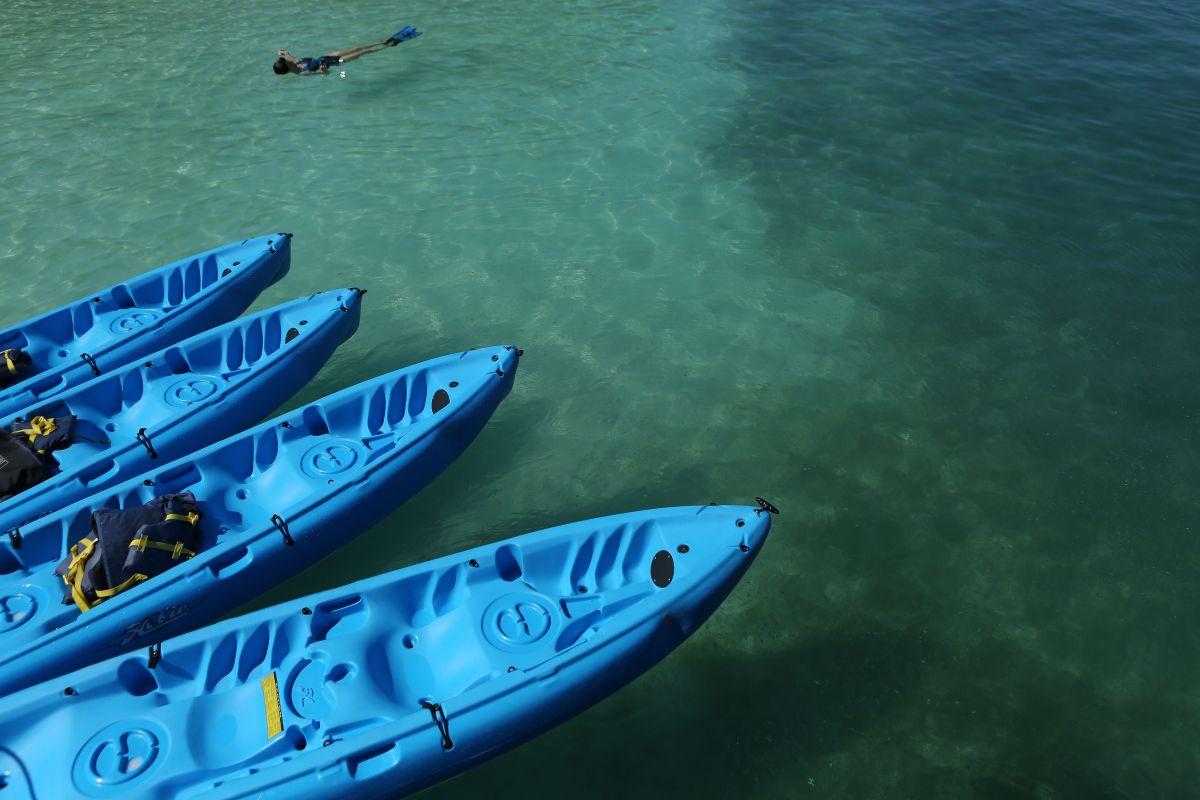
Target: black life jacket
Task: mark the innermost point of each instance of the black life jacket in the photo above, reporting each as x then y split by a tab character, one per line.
14	363
128	546
20	468
25	450
46	434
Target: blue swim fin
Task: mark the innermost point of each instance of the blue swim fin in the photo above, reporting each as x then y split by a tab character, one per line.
403	36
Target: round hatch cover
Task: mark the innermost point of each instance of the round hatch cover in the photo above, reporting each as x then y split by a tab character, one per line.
662	569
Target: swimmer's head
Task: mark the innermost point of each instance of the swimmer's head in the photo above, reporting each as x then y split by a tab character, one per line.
281	66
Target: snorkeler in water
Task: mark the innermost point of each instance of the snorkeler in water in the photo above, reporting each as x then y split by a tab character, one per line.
320	66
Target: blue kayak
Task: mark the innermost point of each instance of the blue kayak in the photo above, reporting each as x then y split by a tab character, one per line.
70	345
181	399
388	685
271	501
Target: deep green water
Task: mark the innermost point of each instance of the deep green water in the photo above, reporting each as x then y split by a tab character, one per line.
923	272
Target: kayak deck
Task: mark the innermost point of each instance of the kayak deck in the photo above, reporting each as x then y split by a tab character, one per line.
72	344
272	501
390	684
184	398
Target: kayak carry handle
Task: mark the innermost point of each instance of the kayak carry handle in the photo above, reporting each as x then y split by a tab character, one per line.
764	505
281	525
439	719
145	440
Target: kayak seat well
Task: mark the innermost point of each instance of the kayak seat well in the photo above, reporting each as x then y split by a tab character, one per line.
82	319
122	297
604	560
339	617
191	278
55	332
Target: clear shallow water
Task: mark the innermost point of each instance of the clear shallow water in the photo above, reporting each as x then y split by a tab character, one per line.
924	274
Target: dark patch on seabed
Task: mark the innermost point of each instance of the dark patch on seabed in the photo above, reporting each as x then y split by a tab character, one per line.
1011	465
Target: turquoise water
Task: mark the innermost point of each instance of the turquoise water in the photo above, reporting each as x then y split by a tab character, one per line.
922	272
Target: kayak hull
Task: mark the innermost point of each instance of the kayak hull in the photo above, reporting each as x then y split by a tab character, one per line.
184	398
96	334
273	500
388	685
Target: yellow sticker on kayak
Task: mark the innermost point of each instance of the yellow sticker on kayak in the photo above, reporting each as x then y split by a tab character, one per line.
270	687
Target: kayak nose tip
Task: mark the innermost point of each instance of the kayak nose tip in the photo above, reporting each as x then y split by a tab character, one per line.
352	298
509	358
279	242
756	527
500	359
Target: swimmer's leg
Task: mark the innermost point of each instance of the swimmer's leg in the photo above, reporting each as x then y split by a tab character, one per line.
355	52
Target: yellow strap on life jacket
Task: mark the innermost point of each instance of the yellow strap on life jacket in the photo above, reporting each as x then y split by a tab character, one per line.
176	550
80	553
104	594
38	426
74	577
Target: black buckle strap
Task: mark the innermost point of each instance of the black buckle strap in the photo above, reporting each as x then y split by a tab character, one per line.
281	525
439	719
155	654
14	536
145	440
91	362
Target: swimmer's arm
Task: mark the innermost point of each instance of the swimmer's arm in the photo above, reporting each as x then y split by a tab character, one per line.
300	70
295	62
